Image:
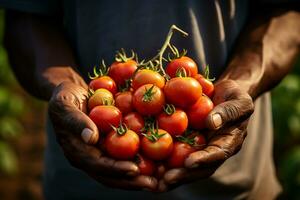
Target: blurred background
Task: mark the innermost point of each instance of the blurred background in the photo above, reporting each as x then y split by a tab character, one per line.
22	138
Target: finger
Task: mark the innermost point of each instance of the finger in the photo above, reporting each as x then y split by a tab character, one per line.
65	111
142	182
237	109
176	177
220	148
91	160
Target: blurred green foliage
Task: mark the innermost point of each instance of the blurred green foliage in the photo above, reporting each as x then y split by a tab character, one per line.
286	117
11	108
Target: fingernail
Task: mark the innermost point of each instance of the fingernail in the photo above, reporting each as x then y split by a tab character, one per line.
217	120
86	135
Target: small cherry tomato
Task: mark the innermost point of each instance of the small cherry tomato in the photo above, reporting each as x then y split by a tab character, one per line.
180	152
105	117
183	91
100	97
157	144
122	143
104	82
207	86
146	166
148	100
198	112
134	121
175	122
122	71
147	76
123	101
183	62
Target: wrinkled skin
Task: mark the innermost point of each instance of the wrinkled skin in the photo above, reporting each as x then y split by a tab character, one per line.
225	139
67	110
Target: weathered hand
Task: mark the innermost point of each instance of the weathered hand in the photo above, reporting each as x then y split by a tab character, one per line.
227	123
76	134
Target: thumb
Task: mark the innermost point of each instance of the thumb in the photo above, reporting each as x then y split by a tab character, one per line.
67	116
229	112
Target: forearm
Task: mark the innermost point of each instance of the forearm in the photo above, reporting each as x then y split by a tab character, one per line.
40	56
266	52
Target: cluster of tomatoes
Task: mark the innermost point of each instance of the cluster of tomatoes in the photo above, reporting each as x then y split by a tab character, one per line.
148	116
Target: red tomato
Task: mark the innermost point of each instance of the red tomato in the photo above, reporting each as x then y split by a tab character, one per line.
123	101
104	82
147	76
146	166
207	86
183	62
134	121
122	146
180	152
159	148
198	112
148	100
122	71
100	97
199	141
105	117
175	124
183	91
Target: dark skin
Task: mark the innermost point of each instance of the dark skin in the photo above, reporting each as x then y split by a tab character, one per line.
264	54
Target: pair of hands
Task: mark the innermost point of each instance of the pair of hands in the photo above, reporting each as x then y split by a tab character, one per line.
75	132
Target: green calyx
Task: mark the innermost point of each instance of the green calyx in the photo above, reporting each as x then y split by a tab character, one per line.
181	72
122	57
91	92
121	129
108	102
169	109
153	135
148	95
176	53
126	86
102	70
206	73
190	141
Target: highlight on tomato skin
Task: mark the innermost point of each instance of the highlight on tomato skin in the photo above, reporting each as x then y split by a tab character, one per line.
157	147
100	97
104	82
147	76
123	101
148	100
198	112
185	62
135	122
182	91
105	116
122	144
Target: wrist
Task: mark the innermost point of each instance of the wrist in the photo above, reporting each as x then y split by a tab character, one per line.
51	77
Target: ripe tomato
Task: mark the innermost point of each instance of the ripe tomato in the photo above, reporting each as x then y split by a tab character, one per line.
100	97
159	146
183	62
175	124
183	91
161	170
105	117
199	140
104	82
207	86
134	121
198	112
147	76
123	144
180	152
148	100
146	166
123	101
122	71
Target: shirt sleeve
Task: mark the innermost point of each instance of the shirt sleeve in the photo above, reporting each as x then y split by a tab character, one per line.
45	7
